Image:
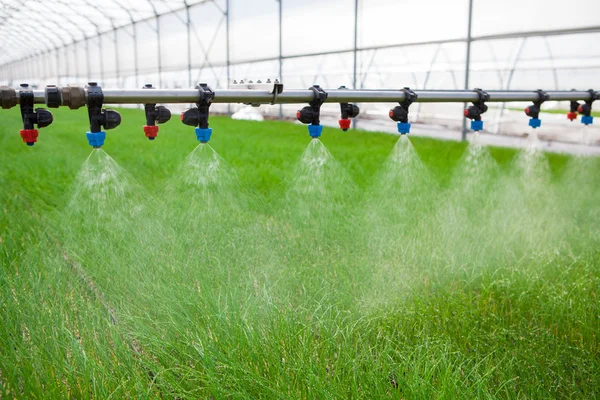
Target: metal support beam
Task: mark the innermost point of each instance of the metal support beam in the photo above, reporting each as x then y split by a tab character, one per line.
136	65
295	96
227	50
280	51
101	63
189	43
117	67
355	49
87	57
467	64
159	52
355	54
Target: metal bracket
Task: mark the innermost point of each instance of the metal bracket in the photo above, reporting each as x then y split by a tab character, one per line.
205	100
409	98
542	97
277	90
95	98
400	113
483	97
26	103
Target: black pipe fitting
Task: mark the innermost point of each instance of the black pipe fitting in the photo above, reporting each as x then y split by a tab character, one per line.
400	113
154	115
30	116
198	116
311	114
479	107
347	111
585	109
53	96
533	111
98	116
8	97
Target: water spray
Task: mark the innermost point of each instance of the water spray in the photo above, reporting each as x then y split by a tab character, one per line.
154	115
198	116
347	111
259	93
478	108
400	113
99	117
533	111
311	114
40	116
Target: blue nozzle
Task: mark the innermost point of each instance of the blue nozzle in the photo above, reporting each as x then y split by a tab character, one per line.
315	131
403	128
535	122
476	125
203	134
587	119
96	139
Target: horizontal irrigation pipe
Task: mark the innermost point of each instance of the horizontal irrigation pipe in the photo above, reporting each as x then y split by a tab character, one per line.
94	98
295	96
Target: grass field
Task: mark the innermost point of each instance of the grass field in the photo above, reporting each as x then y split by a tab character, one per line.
270	269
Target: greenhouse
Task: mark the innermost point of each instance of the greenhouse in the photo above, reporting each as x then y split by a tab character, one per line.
299	199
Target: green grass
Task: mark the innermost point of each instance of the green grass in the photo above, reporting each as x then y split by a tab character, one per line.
474	273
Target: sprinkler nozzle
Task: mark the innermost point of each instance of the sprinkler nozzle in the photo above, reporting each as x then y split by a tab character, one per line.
198	116
99	117
311	113
154	115
203	134
32	117
151	131
315	131
400	113
478	108
347	111
533	111
345	124
29	136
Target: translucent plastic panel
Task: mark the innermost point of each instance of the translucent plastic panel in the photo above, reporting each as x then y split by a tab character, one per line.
254	29
254	71
313	26
81	58
208	44
578	78
531	15
428	66
109	55
329	71
384	22
173	40
96	67
147	46
126	50
215	77
532	78
177	79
